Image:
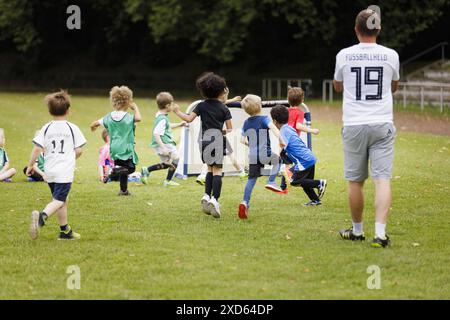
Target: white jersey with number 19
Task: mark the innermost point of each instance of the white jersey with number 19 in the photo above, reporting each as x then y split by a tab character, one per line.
59	139
367	71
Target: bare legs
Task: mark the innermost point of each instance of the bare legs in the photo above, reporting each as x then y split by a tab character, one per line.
7	174
383	200
58	207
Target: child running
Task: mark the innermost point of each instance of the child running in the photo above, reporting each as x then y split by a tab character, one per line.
213	114
255	134
61	142
229	152
121	129
6	173
162	141
302	158
296	98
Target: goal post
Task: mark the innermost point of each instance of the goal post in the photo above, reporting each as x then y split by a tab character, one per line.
190	162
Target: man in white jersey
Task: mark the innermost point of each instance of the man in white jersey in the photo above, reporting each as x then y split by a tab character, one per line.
368	74
61	142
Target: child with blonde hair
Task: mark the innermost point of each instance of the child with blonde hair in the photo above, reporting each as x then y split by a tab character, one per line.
121	129
255	134
162	140
6	173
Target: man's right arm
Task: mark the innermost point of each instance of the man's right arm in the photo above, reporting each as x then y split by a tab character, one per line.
394	86
338	80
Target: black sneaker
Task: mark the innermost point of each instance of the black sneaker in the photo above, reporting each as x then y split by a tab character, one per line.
69	235
124	193
349	235
381	243
322	188
313	203
41	220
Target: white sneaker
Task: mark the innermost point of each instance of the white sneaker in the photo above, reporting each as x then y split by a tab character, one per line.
170	183
34	226
205	206
214	208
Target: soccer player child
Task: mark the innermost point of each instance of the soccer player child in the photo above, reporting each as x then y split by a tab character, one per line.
61	142
255	134
162	140
121	129
302	158
105	162
214	114
296	97
6	173
229	152
38	168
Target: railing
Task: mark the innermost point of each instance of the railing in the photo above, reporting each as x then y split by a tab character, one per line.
327	86
281	85
441	45
424	92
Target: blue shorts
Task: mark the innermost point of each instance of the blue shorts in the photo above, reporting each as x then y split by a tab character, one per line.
60	191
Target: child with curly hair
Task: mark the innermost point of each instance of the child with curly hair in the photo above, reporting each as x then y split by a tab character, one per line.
121	129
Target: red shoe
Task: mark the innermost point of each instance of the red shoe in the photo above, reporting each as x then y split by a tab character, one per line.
243	211
284	192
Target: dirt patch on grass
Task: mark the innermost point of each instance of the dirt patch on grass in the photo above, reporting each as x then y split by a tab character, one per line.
404	121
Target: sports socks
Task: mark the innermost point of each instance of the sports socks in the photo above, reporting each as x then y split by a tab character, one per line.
172	170
209	183
217	186
159	166
358	228
380	230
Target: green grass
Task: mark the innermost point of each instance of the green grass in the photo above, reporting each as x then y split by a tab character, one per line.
158	245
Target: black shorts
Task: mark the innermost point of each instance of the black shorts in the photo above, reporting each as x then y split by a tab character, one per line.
254	170
60	191
128	164
213	152
299	176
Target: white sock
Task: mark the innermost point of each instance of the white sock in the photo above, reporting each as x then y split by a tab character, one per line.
380	230
358	228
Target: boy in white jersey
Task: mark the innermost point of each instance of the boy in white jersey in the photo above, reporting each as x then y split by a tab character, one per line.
61	142
368	74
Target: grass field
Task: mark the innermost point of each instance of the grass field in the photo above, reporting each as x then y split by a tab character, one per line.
158	245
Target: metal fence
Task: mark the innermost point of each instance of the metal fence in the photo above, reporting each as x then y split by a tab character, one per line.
276	88
424	94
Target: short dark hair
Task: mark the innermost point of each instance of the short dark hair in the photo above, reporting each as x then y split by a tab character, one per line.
211	85
58	103
280	114
362	23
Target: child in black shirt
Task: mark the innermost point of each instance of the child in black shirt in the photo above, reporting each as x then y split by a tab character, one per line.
213	114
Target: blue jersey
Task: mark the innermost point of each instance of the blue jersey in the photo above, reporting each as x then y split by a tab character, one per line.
256	129
296	149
